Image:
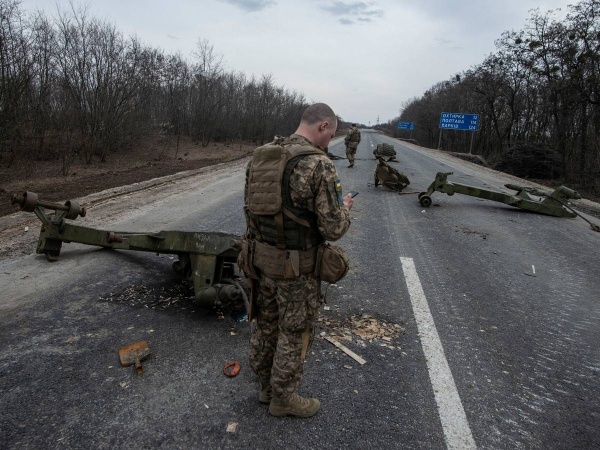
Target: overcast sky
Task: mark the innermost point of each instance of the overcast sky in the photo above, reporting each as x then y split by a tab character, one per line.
365	59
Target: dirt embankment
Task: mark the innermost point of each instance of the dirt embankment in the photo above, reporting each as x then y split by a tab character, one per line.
121	169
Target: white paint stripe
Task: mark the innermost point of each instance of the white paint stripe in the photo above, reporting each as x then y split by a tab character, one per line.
452	414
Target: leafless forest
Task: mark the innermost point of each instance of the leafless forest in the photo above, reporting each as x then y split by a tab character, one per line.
73	86
538	96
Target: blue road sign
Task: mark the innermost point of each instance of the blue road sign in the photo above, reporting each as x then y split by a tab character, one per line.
459	121
406	125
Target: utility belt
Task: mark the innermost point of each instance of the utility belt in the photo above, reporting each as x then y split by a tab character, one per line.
278	263
327	262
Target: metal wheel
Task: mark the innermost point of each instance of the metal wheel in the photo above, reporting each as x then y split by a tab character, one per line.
425	200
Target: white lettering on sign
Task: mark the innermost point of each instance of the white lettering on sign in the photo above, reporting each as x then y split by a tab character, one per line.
453	116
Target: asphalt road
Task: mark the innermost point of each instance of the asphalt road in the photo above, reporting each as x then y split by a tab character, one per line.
499	309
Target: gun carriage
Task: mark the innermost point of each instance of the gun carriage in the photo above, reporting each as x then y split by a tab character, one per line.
207	259
552	205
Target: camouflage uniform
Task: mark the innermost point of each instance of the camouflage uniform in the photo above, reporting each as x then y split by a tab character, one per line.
288	308
352	140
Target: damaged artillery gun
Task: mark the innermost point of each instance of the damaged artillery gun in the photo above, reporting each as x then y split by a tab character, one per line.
207	259
389	177
554	204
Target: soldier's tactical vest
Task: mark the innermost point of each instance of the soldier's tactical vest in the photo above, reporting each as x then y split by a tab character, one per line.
355	135
272	217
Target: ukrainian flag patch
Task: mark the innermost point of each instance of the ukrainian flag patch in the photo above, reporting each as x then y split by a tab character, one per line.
338	190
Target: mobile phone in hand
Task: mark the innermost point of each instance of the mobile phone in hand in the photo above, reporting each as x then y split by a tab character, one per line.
353	194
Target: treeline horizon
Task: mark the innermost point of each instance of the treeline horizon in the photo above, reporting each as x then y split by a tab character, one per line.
74	86
540	89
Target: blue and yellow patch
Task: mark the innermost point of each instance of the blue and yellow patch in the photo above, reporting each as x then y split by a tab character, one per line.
338	190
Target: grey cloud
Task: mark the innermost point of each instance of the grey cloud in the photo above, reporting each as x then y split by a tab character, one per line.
443	41
374	13
339	8
448	44
170	36
352	12
252	5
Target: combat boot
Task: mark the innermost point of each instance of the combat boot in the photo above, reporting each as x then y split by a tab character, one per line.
266	393
351	165
294	406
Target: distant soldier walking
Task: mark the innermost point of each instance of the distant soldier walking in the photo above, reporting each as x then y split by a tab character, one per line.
293	203
352	140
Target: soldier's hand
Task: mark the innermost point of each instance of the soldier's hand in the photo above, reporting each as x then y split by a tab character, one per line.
348	201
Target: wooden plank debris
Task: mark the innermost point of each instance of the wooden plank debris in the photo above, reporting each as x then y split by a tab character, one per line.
346	350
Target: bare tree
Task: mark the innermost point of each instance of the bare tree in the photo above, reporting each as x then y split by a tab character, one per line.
207	75
15	75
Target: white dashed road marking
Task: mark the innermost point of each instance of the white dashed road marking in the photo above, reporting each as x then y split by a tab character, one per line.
452	414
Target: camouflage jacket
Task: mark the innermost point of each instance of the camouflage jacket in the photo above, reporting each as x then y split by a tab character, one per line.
352	136
315	186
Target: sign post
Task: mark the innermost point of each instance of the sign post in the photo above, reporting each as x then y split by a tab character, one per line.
459	121
406	126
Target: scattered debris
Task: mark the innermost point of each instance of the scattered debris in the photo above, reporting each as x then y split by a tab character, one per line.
346	350
532	274
467	231
231	369
134	354
365	327
232	427
178	296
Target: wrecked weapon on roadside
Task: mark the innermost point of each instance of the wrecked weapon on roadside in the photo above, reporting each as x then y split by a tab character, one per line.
207	259
389	177
552	205
534	191
385	151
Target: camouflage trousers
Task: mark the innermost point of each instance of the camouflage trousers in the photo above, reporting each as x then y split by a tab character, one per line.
285	322
351	151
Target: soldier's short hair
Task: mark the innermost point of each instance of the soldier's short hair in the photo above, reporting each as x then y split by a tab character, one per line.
353	124
318	112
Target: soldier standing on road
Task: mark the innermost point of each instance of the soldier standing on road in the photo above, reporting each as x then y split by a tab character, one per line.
293	203
352	140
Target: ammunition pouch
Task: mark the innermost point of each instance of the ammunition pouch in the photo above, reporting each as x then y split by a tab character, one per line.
281	263
332	263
